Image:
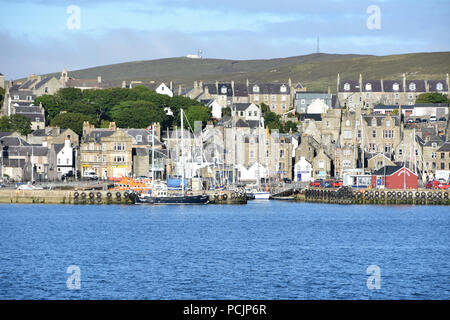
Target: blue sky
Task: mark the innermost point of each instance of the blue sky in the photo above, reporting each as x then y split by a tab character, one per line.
34	37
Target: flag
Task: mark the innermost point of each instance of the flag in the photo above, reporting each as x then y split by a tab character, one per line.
149	128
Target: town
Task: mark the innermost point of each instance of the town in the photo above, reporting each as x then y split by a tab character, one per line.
392	134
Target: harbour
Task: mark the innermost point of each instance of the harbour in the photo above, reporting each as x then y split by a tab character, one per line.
260	250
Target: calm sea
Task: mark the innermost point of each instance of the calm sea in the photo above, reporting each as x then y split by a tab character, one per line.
262	250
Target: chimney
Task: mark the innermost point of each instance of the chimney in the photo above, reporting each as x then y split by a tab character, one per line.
179	89
86	128
171	86
99	79
290	82
124	84
206	90
157	127
427	86
232	85
195	85
404	82
247	82
112	126
67	142
338	81
217	86
360	82
200	85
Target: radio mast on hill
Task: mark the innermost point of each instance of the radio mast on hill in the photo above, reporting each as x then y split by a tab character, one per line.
318	47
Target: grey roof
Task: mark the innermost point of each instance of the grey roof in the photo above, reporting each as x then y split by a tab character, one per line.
391	107
431	105
42	82
388	85
13	141
240	90
27	150
211	88
335	103
445	147
269	88
354	85
433	85
146	137
39	133
316	117
420	85
58	147
376	85
13	163
241	106
27	84
34	116
242	124
206	102
5	134
389	170
227	86
29	109
379	119
22	95
142	151
253	123
97	135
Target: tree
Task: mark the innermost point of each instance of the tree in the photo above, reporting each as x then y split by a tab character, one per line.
51	106
290	125
72	121
432	97
226	111
197	113
5	125
20	123
394	112
264	108
2	96
137	114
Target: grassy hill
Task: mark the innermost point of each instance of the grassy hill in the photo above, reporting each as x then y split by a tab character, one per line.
316	71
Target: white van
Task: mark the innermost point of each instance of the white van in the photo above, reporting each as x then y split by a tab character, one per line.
433	119
91	175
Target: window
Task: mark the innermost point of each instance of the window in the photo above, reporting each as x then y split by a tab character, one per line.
388	134
347	87
396	95
274	97
46	90
281	153
16	97
433	155
367	95
347	134
283	88
241	113
256	98
439	87
249	113
328	124
223	90
359	134
346	152
442	155
37	119
252	154
139	138
412	87
283	98
410	96
29	98
368	87
321	164
346	163
387	148
104	146
347	123
374	122
434	145
303	101
400	152
273	107
283	106
255	113
374	134
255	88
395	87
266	97
442	166
388	123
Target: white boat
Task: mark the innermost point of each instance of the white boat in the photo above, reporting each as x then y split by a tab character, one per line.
261	195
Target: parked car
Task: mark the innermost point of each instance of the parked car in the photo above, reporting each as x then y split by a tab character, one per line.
442	119
418	120
326	184
90	175
70	174
287	180
410	120
28	186
424	120
443	186
433	119
433	184
337	183
316	183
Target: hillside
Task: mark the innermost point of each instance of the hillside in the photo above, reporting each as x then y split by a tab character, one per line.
316	71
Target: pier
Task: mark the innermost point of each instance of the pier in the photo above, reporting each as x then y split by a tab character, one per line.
347	195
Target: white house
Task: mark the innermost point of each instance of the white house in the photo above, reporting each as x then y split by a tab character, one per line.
64	157
302	170
164	89
318	106
216	108
250	174
246	111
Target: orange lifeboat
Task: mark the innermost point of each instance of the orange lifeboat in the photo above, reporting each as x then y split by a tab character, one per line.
138	185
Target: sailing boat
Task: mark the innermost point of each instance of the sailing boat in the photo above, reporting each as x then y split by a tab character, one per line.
160	195
260	194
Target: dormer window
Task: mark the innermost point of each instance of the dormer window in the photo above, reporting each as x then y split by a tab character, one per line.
439	86
255	88
412	87
223	90
16	97
395	87
283	88
374	122
139	138
368	87
347	87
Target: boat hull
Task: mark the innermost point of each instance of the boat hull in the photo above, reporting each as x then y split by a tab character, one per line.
261	195
201	199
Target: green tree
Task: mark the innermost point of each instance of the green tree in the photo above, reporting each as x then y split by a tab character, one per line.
20	123
264	108
197	113
432	97
290	125
137	114
72	121
2	96
226	111
394	112
51	106
5	124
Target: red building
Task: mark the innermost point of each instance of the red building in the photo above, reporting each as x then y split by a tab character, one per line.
397	177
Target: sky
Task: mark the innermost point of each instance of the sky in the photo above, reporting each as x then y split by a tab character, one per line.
44	36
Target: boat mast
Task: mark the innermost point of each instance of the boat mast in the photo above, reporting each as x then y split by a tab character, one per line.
259	126
153	154
32	165
182	151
